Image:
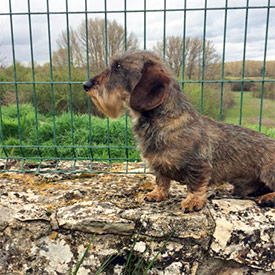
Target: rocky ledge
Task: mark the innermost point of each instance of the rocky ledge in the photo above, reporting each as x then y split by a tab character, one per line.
47	220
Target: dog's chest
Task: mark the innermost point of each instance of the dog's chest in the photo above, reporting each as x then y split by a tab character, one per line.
150	138
158	150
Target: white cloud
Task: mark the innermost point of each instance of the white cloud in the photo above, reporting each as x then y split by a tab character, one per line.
154	28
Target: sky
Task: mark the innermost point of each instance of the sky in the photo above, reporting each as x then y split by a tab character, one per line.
256	25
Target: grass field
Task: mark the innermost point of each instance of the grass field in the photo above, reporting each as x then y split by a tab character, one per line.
251	111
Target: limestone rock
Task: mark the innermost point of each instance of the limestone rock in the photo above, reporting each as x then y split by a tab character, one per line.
47	220
244	233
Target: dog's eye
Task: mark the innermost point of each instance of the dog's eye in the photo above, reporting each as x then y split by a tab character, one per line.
117	67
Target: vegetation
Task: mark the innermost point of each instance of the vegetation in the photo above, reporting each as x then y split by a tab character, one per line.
135	264
55	97
59	98
256	89
250	111
47	96
268	90
252	69
100	135
85	134
193	56
94	39
211	99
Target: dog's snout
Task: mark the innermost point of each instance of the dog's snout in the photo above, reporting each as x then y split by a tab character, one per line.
88	84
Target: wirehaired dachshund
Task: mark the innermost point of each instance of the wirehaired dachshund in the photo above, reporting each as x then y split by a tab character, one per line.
176	141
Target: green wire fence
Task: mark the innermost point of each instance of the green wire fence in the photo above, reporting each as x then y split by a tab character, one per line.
17	157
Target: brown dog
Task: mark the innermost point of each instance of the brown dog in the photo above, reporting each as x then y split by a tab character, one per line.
178	143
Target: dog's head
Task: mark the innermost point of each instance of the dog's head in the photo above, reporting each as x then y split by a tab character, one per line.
134	79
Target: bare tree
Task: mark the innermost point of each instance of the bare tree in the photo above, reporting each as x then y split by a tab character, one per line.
211	60
60	57
193	55
173	56
95	41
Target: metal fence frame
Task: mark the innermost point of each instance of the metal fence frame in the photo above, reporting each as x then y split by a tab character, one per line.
39	158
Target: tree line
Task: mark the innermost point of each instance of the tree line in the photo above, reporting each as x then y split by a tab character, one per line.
93	42
87	47
89	44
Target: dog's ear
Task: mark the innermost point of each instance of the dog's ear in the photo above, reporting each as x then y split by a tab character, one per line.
151	90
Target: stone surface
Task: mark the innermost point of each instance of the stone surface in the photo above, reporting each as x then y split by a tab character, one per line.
47	220
244	233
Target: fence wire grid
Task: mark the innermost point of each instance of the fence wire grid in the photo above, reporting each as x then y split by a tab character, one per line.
16	157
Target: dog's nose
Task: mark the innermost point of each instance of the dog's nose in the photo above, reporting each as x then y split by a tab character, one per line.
88	85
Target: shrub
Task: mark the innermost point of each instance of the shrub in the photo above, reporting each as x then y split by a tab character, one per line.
82	136
237	86
269	90
43	92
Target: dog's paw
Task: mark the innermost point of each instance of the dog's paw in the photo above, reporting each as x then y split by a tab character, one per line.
192	203
156	195
267	200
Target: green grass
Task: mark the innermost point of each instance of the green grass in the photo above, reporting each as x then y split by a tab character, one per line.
135	264
250	111
97	134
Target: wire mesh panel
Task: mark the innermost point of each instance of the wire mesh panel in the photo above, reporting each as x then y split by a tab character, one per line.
48	124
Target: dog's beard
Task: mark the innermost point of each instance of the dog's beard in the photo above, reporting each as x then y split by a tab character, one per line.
111	104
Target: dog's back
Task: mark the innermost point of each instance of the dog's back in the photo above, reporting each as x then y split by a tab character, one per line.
241	156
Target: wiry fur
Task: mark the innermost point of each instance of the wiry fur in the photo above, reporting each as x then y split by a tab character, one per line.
177	142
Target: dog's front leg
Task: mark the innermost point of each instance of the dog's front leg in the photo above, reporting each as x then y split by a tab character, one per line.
161	191
196	197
